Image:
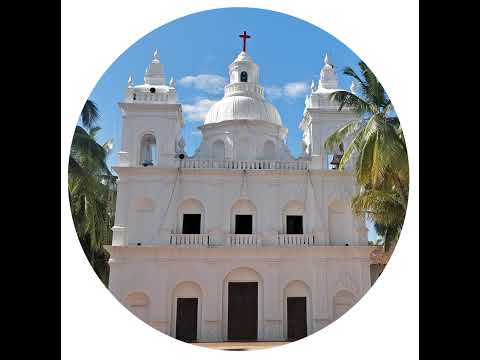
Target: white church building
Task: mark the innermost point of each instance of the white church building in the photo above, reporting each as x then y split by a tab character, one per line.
241	241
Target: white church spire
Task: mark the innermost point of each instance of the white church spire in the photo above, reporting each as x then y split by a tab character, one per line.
328	76
327	60
156	55
154	71
155	88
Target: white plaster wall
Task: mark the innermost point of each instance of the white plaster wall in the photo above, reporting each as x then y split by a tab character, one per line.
165	273
217	193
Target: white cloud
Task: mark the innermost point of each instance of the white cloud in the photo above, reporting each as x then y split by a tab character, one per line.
197	110
209	83
295	89
289	91
274	92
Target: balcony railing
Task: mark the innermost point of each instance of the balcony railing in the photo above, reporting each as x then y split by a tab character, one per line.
241	240
189	239
293	165
295	239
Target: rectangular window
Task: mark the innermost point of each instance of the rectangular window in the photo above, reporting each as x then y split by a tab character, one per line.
294	224
191	223
243	224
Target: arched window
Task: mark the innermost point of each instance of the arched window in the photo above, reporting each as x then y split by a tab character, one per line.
339	223
148	150
269	150
343	301
219	150
142	229
243	76
293	217
190	217
138	303
243	216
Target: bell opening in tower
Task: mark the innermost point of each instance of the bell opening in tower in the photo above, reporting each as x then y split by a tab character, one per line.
243	76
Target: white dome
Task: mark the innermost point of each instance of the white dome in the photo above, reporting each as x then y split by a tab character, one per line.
243	108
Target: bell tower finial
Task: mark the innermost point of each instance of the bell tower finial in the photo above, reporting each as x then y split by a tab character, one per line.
327	60
154	71
328	77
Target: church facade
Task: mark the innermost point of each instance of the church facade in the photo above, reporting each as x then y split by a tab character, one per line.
241	241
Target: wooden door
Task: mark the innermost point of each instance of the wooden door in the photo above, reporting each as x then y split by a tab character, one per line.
187	312
296	317
242	311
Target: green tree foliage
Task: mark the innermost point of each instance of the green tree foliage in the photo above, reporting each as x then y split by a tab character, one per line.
378	151
92	190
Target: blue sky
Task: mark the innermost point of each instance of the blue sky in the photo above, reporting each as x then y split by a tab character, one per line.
289	51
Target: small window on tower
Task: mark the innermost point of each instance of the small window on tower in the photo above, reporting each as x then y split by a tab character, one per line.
243	76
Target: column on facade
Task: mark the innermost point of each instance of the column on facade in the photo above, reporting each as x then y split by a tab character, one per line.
120	237
314	201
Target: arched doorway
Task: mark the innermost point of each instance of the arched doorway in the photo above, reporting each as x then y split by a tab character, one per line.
297	309
242	305
218	150
187	311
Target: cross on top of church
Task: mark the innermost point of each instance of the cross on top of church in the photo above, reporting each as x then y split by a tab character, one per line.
245	37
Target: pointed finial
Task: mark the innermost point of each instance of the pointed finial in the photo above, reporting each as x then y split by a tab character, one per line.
130	81
312	86
327	60
173	83
156	55
353	87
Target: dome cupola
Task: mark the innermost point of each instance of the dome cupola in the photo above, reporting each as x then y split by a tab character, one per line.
243	96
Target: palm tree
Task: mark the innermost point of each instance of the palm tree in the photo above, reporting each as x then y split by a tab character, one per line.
377	148
92	190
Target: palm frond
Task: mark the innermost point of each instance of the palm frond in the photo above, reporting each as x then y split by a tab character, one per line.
341	134
89	115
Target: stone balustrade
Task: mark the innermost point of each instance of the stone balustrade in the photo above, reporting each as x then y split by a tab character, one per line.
189	239
241	88
295	240
241	240
147	97
291	165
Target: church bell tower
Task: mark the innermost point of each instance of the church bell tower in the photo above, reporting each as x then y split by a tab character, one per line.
321	117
